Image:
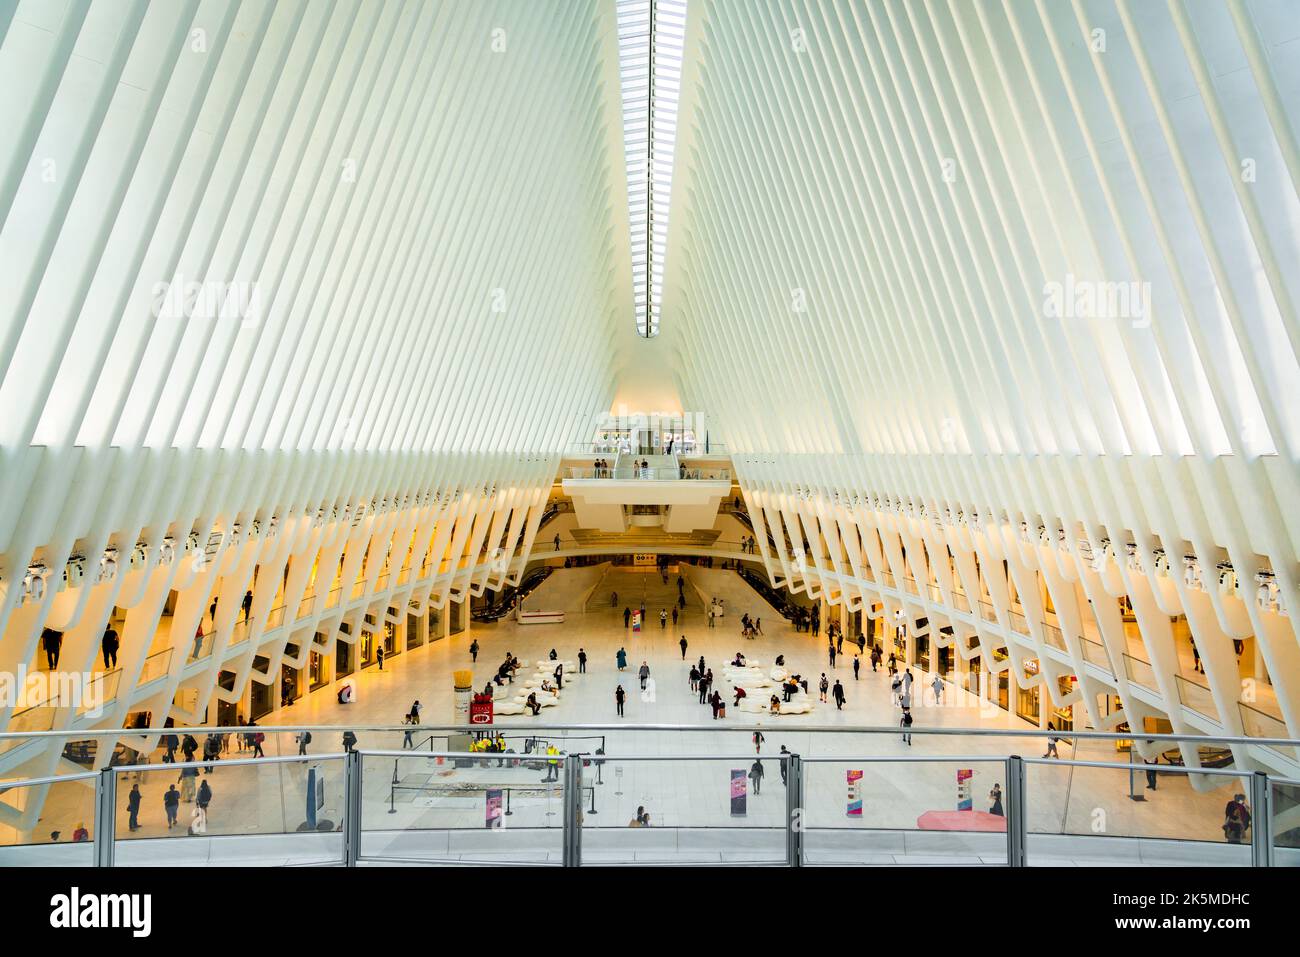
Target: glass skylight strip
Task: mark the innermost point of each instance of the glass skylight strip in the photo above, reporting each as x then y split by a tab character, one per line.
650	70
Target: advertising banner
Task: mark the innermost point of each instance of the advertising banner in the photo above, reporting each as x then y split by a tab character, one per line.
493	809
964	776
739	791
854	781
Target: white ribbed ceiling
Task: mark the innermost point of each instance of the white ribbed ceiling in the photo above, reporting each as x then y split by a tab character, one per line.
417	200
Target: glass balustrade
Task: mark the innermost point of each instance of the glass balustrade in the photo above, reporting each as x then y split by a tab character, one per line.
556	796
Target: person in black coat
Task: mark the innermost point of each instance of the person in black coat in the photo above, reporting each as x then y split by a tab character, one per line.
205	795
110	646
133	807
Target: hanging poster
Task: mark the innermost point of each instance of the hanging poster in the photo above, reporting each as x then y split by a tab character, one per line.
854	780
739	791
493	809
964	776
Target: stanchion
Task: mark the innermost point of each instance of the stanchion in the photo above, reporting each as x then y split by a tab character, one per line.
105	817
1017	818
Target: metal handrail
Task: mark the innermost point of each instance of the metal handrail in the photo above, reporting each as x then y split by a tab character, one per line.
817	729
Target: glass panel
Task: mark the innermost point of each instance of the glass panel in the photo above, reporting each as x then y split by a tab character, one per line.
706	811
1286	823
225	813
1135	814
1196	696
1140	672
1095	653
437	807
56	824
904	812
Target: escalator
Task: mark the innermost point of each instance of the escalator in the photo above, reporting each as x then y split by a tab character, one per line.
503	602
777	598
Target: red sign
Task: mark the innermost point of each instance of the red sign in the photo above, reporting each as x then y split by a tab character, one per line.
480	709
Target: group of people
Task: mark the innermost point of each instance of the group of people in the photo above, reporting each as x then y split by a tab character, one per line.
750	627
701	680
603	469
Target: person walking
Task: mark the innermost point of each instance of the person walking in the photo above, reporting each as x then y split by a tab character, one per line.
109	646
627	616
620	658
758	741
857	664
204	796
682	644
189	778
644	674
258	738
247	605
893	663
1236	819
695	677
304	739
830	650
1051	742
557	541
838	694
906	724
822	687
473	651
937	685
582	661
379	656
663	618
875	659
349	741
619	697
907	681
782	762
756	776
674	616
172	805
133	807
52	645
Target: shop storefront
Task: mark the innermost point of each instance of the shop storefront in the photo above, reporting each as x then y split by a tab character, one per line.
290	678
317	671
391	646
1063	716
344	659
367	648
1029	700
261	698
414	633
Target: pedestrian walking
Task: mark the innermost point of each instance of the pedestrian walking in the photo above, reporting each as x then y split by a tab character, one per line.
582	661
758	741
906	724
822	687
682	643
473	650
133	807
756	776
644	674
857	663
838	694
621	659
172	805
619	697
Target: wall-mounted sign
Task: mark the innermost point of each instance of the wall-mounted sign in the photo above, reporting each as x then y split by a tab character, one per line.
854	781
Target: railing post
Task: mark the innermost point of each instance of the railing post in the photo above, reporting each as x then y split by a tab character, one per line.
105	816
1261	821
793	811
351	808
1017	818
572	801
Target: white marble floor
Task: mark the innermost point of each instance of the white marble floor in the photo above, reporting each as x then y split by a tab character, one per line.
679	794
